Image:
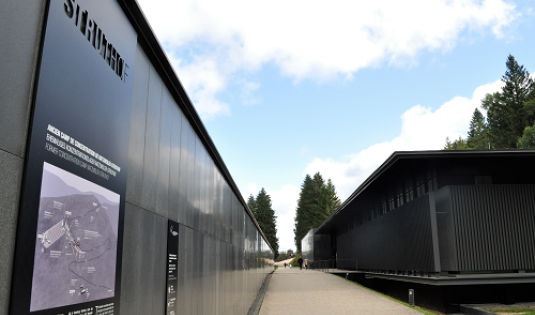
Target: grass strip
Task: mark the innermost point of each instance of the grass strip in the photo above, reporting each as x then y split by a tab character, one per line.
525	311
417	308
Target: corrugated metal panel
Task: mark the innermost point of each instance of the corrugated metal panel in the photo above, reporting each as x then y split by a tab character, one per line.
398	240
446	237
493	227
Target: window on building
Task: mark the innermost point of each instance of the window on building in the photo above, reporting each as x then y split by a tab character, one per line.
409	190
431	180
483	180
400	196
391	202
420	186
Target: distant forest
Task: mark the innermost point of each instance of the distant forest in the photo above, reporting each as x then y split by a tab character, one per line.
510	121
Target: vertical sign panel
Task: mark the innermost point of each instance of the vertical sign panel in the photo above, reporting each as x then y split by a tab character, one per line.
172	264
69	241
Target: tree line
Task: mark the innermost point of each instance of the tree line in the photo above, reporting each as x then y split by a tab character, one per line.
317	201
265	216
510	121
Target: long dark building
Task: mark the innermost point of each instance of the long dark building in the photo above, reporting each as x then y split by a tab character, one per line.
438	219
113	197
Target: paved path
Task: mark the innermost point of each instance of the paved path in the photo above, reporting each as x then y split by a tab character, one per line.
294	291
281	263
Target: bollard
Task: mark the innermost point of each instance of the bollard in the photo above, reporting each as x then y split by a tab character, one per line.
411	297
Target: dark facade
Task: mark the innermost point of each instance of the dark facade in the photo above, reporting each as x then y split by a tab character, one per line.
316	246
455	217
442	211
174	174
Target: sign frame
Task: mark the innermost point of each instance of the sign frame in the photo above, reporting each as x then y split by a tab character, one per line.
79	126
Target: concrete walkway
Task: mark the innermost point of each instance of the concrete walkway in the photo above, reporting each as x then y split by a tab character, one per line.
294	291
281	263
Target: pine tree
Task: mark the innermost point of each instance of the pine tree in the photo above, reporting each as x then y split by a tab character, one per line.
304	211
333	201
251	203
510	111
477	132
265	216
458	144
528	139
517	91
317	201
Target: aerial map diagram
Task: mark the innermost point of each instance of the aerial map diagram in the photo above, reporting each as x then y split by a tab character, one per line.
76	246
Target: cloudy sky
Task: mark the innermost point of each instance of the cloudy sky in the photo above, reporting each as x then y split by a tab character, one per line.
287	88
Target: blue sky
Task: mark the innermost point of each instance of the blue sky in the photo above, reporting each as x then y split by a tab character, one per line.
287	88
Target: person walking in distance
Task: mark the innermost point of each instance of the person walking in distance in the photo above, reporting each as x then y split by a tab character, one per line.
300	262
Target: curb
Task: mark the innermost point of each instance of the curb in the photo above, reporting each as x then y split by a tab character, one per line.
471	310
255	307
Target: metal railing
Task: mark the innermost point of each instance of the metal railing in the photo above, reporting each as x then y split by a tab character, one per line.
330	265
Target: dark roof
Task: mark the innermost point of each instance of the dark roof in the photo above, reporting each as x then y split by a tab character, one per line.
425	155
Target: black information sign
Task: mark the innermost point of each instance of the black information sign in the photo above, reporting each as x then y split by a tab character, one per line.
172	262
70	228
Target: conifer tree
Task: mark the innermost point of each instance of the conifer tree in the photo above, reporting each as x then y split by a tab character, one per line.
477	132
333	202
528	139
304	211
265	216
458	144
317	201
510	111
251	203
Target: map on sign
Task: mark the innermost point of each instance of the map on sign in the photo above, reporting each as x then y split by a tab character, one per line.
76	246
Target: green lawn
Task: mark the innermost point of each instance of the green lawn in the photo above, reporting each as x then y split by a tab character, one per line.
521	310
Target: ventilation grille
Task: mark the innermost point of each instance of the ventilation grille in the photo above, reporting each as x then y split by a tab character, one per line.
494	227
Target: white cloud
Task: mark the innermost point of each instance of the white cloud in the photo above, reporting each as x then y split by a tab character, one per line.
247	94
310	39
422	129
252	189
202	80
284	202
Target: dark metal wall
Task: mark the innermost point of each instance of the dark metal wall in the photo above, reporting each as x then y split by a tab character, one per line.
487	227
478	228
322	248
398	240
316	247
223	259
307	245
